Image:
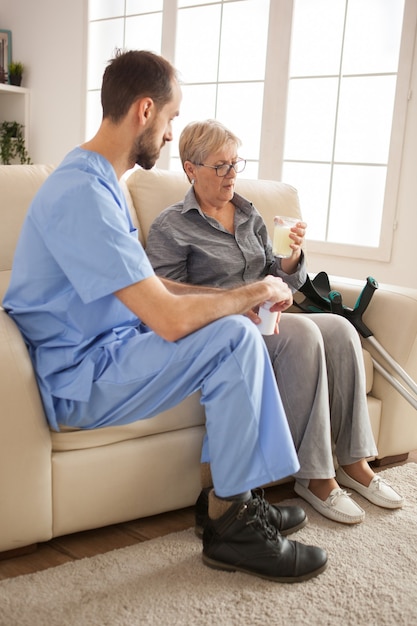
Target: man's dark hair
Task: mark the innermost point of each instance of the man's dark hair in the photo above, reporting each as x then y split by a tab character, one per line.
132	75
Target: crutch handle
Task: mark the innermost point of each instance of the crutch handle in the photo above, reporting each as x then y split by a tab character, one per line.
355	314
336	304
366	294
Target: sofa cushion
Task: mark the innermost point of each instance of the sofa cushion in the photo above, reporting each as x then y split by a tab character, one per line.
188	414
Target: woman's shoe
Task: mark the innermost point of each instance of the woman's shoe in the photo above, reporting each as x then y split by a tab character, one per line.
338	507
378	492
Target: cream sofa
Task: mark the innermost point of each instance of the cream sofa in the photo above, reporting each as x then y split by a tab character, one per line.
57	483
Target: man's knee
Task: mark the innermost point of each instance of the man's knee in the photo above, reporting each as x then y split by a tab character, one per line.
239	330
236	324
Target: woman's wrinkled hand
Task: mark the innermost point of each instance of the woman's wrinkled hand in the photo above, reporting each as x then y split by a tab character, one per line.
297	235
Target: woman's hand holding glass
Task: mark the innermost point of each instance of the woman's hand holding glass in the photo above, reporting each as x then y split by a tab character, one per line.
297	235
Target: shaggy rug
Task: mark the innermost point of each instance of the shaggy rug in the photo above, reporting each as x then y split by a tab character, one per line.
371	580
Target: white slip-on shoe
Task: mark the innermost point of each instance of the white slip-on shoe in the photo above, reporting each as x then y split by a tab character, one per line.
338	507
378	492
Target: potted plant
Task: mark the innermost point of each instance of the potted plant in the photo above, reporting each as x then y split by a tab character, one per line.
12	143
15	73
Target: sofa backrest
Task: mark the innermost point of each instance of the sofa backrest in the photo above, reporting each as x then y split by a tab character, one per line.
148	192
154	190
18	185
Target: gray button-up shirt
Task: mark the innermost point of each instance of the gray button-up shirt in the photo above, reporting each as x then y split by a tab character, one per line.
186	245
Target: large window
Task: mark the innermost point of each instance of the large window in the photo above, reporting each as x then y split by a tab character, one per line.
343	80
316	89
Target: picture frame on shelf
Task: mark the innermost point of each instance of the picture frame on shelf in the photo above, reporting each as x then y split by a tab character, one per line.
5	53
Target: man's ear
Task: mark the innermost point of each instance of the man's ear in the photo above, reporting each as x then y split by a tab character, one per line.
145	110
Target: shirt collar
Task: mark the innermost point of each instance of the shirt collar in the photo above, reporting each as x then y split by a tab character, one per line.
190	202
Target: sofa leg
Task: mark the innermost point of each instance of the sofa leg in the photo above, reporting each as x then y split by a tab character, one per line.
11	554
390	460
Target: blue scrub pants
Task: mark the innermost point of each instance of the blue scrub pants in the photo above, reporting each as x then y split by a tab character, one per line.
248	441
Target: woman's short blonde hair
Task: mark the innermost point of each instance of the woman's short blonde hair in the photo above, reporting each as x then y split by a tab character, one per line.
199	139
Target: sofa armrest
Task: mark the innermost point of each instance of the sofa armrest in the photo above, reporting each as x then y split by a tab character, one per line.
25	453
391	316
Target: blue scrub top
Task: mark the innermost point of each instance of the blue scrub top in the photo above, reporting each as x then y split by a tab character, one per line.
76	248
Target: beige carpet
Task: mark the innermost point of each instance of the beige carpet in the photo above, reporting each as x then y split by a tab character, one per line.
371	580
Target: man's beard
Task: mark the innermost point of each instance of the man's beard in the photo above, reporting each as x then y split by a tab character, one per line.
145	153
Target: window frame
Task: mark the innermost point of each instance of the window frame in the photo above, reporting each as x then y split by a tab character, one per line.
276	84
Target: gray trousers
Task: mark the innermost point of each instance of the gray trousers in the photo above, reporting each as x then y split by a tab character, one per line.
319	368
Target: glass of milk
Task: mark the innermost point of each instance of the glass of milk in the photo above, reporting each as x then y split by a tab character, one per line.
281	242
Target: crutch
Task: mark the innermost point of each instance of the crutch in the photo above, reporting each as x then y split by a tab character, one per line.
320	298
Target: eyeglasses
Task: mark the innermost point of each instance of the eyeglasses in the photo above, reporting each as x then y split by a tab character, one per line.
224	169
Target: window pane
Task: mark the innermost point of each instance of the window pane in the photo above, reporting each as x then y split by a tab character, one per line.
104	38
143	32
357	202
243	58
99	9
311	119
94	113
197	49
143	6
238	103
317	37
365	118
376	48
198	103
312	182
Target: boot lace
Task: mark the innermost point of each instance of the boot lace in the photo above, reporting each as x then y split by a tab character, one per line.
258	516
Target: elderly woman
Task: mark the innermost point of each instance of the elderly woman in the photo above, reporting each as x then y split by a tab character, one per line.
216	237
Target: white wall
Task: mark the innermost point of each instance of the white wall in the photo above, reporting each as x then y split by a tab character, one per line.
49	37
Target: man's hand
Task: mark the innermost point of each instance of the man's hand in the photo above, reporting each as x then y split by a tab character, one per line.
281	294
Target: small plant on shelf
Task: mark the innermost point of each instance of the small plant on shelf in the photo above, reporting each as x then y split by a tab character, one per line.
12	143
15	73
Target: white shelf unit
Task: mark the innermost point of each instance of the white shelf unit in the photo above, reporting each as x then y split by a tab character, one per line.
14	107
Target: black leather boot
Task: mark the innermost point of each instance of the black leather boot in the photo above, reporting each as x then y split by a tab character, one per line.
286	519
243	540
